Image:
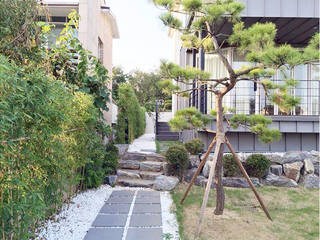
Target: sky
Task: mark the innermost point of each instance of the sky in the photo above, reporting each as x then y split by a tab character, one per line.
144	40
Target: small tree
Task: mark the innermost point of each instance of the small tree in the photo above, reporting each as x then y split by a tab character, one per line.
257	44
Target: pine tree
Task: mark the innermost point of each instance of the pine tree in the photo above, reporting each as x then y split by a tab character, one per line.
257	44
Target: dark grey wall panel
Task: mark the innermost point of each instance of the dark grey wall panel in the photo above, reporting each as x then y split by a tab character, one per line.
293	142
259	146
275	125
309	142
305	127
233	138
279	146
316	127
246	142
288	126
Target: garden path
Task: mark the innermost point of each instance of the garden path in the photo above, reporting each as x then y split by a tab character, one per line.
144	144
129	215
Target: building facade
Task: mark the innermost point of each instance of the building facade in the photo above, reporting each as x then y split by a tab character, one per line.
97	29
297	21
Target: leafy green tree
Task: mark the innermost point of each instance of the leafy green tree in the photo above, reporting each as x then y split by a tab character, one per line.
118	77
256	43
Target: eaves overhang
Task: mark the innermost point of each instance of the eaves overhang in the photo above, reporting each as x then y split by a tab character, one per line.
115	30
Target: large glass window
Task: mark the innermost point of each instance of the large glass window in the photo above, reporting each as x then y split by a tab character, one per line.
314	106
301	90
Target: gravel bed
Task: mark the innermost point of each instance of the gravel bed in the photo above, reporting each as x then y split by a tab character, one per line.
74	220
169	222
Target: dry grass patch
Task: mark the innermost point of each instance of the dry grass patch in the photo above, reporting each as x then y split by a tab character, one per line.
295	214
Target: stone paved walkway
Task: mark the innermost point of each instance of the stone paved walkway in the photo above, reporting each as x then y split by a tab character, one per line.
144	144
129	215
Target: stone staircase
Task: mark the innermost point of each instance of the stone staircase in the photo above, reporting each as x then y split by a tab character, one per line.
165	134
140	170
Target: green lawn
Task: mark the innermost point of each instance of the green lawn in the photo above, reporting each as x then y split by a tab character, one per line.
295	214
162	146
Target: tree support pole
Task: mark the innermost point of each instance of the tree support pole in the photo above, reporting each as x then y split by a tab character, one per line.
203	161
248	178
208	187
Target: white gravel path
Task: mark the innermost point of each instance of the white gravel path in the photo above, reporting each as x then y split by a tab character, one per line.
169	220
73	222
75	219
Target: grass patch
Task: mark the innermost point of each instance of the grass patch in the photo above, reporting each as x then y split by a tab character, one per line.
164	145
295	214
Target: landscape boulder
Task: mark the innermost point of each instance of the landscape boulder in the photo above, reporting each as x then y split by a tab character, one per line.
188	177
128	174
275	158
311	181
279	181
129	164
295	156
239	182
165	183
276	169
308	166
292	170
111	180
194	161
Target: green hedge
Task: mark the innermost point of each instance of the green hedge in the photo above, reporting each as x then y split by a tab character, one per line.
131	116
48	146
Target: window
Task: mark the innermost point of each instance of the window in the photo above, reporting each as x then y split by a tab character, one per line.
100	50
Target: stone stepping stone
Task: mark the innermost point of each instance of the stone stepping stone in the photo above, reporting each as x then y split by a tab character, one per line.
148	175
110	220
127	199
104	233
151	166
141	194
134	174
115	208
135	182
144	234
143	220
146	208
148	199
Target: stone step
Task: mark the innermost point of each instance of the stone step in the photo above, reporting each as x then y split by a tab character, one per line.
151	166
134	156
133	174
167	138
135	182
144	157
155	158
129	164
147	175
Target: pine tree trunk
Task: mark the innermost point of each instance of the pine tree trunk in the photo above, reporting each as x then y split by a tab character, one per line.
219	166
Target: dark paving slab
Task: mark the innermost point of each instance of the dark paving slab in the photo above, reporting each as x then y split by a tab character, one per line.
110	220
143	220
146	208
144	234
148	200
115	208
122	194
104	233
125	199
147	194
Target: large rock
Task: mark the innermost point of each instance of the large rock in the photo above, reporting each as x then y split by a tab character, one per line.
134	156
128	173
165	183
295	156
194	161
166	169
274	180
316	168
151	166
206	169
308	166
292	170
238	182
122	149
129	164
189	174
275	158
111	180
316	161
276	169
311	181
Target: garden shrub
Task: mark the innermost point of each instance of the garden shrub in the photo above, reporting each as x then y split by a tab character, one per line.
194	146
178	160
110	163
131	116
230	167
257	165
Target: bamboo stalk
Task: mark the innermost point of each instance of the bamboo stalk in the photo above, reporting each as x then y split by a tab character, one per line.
208	187
203	161
248	178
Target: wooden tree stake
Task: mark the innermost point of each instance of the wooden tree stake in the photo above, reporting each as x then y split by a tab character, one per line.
203	161
208	187
248	178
